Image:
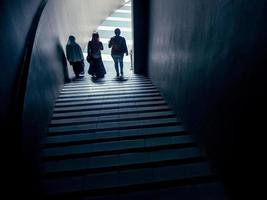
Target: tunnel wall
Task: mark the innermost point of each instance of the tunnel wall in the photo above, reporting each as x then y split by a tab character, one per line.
208	58
15	21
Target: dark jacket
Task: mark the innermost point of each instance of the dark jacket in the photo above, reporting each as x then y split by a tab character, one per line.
118	45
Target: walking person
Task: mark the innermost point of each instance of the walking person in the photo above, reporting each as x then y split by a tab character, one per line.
95	46
75	56
118	48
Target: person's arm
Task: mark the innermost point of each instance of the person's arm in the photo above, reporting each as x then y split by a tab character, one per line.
81	52
101	46
110	43
67	53
88	57
125	47
88	48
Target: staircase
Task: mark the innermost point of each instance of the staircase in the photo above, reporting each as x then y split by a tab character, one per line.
114	139
118	139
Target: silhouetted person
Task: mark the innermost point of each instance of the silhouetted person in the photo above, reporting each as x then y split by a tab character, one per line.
94	48
75	56
118	48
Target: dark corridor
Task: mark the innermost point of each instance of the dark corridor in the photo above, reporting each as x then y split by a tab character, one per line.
195	97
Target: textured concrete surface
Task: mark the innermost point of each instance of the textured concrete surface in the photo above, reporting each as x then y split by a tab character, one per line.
208	58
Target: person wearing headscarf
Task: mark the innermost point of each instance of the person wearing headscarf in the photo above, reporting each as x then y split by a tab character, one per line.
96	68
75	56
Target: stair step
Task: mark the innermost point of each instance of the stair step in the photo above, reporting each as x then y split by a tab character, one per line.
99	87
102	90
130	179
96	90
202	191
110	118
110	83
100	98
86	87
77	102
77	108
108	148
111	111
100	164
105	136
112	126
107	93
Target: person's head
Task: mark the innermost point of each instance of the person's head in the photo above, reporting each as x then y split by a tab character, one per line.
117	32
95	36
71	38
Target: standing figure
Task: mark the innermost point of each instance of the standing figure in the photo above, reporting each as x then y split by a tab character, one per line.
75	56
118	48
96	68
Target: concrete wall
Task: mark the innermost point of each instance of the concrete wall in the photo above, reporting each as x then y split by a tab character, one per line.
15	21
208	58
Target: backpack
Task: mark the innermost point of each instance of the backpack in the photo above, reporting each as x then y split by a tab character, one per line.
117	45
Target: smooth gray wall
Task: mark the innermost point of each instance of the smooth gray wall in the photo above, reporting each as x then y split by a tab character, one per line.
208	58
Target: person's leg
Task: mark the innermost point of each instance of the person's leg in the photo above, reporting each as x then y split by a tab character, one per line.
82	67
101	68
94	67
121	63
76	70
79	67
115	58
